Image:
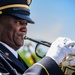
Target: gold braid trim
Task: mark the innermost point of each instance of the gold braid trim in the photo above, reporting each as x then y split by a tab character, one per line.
14	5
43	68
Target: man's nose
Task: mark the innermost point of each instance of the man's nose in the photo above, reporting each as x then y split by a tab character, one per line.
23	28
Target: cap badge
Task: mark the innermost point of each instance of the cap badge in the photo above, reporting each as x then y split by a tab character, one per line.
28	2
0	12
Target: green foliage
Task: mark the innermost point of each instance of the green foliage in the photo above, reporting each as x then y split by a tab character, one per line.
28	58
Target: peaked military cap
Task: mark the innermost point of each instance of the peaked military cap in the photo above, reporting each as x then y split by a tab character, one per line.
16	8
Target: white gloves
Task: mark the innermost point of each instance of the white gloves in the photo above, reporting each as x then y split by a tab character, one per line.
69	60
60	49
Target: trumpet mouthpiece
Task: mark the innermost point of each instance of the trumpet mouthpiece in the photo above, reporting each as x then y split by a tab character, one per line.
24	37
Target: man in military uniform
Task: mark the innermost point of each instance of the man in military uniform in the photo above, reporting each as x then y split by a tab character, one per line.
14	16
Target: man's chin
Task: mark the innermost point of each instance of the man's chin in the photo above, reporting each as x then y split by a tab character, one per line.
19	44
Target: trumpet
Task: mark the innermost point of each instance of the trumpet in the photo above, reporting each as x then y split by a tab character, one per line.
45	43
68	70
39	42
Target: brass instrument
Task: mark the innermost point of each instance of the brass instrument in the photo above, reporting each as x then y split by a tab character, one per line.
68	70
40	42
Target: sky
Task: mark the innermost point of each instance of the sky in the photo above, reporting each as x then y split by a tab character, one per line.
53	19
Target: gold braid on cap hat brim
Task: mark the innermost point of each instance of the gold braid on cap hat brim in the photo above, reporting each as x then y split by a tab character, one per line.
14	5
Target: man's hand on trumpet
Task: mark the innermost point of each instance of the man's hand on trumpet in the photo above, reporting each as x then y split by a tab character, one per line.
61	48
69	60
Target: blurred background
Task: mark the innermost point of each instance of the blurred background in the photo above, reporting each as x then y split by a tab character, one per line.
53	19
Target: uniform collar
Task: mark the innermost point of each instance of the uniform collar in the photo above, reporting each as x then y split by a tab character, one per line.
10	49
